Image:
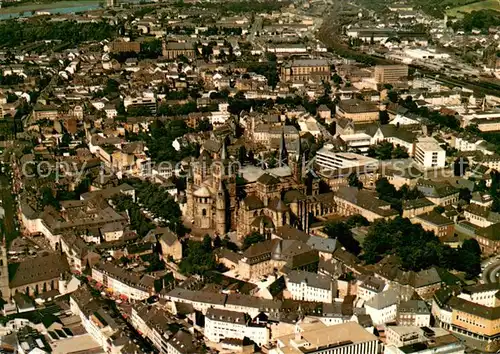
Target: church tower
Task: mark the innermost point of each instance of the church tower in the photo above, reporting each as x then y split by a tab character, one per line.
297	163
4	272
220	211
189	195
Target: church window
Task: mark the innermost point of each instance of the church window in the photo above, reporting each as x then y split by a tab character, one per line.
204	212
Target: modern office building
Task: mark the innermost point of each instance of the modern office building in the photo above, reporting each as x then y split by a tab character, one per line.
390	74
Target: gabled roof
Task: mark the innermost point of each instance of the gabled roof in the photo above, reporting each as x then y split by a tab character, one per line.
268	179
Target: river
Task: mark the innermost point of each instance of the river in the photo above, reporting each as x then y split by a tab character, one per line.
59	7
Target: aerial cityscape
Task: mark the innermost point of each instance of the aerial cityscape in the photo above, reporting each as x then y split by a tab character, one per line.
235	176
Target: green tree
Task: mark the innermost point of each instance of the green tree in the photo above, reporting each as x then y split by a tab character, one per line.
342	233
252	239
383	117
353	181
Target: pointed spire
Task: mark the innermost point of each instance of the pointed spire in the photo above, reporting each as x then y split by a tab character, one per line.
223	155
299	150
283	154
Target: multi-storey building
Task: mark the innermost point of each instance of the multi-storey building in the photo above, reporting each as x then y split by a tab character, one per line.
358	111
429	154
172	50
489	239
327	159
305	70
223	324
318	338
383	307
391	74
351	201
308	286
122	282
413	313
435	222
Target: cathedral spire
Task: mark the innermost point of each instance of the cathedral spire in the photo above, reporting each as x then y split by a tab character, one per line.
298	155
283	154
223	155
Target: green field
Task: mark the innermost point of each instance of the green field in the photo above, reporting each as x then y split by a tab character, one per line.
476	6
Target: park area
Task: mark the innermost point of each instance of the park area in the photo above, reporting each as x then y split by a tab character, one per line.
475	6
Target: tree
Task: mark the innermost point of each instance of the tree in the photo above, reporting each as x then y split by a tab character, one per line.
242	154
357	220
196	259
400	152
383	117
465	195
353	181
48	198
471	245
341	232
393	96
252	239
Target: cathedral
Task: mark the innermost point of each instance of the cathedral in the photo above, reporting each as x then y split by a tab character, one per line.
224	196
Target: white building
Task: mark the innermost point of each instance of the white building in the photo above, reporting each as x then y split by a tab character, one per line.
429	154
399	336
122	282
222	324
151	323
369	287
346	338
327	159
467	144
358	141
306	286
383	307
96	321
482	294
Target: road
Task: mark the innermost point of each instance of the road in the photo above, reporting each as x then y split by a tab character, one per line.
491	273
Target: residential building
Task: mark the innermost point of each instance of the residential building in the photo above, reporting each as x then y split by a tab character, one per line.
413	313
97	321
481	216
474	320
183	343
223	324
440	193
482	294
152	323
435	222
118	280
401	335
428	343
358	111
308	286
412	208
382	308
369	286
140	102
489	239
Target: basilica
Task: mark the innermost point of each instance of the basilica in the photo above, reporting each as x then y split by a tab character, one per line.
224	196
